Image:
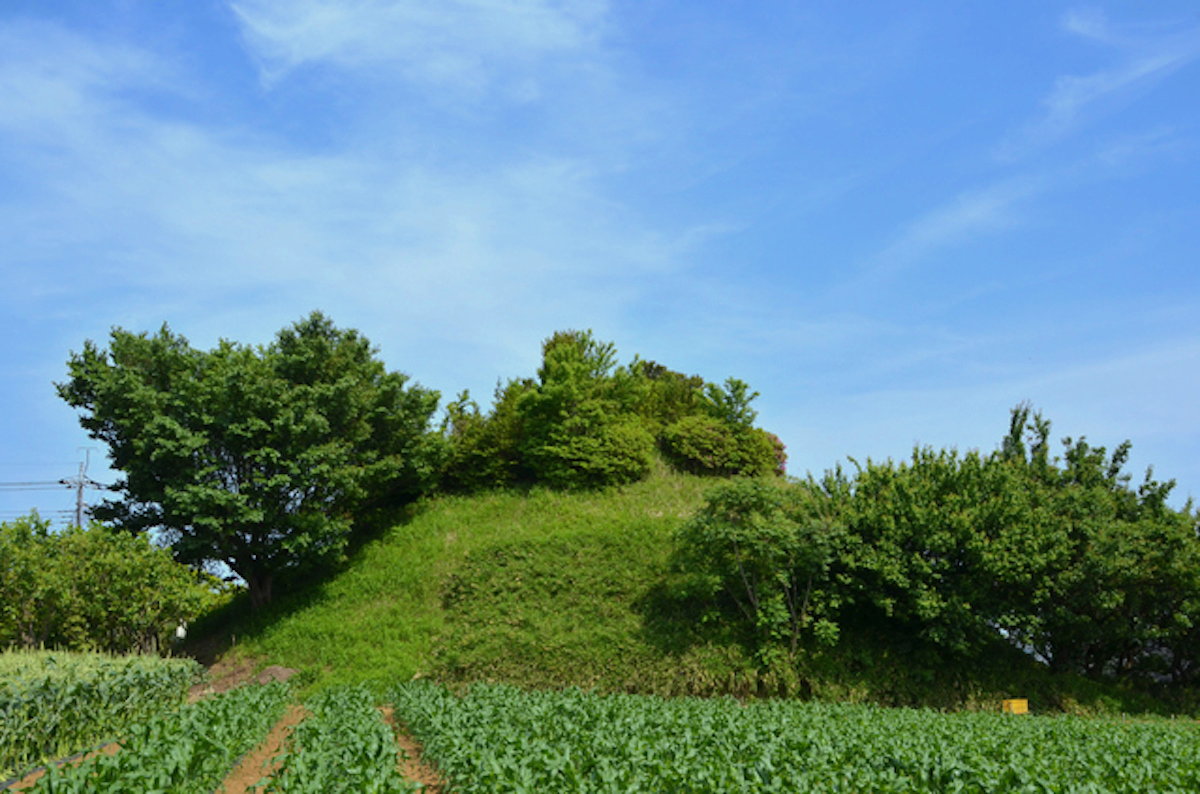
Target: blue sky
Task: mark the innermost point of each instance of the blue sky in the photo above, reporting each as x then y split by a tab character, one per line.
894	220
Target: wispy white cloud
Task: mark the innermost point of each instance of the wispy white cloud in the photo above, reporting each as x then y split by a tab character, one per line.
456	45
962	220
49	76
1142	147
964	217
1144	60
1090	23
215	227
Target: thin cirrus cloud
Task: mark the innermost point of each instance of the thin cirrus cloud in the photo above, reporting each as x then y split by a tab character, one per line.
51	78
1075	99
1072	103
959	221
459	45
164	205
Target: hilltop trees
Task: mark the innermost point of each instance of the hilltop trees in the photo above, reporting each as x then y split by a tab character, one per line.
254	457
585	421
261	457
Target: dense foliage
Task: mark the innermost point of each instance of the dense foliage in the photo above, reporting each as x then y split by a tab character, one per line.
55	704
262	458
766	547
586	422
257	458
946	555
92	588
499	739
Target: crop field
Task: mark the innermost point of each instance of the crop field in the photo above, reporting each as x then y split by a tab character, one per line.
52	704
497	739
500	739
344	745
185	751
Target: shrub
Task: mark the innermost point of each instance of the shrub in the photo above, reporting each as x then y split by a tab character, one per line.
703	445
580	426
582	454
485	450
768	548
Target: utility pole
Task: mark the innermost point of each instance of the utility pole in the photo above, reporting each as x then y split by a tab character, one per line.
80	482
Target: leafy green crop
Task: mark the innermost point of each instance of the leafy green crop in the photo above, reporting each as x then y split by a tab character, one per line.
344	745
190	750
54	704
499	739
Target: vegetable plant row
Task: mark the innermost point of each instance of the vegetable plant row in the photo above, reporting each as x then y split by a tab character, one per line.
55	704
343	745
500	739
189	750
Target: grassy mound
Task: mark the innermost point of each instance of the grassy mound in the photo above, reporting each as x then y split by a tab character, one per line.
551	589
542	587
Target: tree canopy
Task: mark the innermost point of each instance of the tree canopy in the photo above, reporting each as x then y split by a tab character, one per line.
948	555
257	457
584	421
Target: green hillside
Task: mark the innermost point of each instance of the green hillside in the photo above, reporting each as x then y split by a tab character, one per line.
551	589
541	587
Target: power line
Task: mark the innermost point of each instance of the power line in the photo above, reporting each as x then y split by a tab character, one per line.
34	483
40	464
77	483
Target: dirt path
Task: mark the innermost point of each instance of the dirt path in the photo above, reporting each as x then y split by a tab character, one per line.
36	775
258	764
409	755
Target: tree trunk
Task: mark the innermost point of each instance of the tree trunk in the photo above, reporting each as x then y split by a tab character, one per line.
258	583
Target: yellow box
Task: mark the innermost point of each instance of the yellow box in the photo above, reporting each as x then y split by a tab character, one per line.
1016	706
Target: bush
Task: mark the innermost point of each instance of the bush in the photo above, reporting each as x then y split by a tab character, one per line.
94	589
768	548
485	450
585	422
580	426
583	455
703	445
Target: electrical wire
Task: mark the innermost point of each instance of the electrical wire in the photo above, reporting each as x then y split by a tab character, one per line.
34	485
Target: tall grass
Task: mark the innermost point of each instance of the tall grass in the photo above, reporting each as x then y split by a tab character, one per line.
549	589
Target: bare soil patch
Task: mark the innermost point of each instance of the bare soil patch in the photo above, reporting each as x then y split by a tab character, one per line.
226	674
409	755
260	763
37	774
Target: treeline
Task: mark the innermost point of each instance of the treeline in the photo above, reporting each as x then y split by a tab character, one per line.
93	588
275	459
945	556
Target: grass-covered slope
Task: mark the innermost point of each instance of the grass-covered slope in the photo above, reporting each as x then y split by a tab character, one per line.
544	587
548	589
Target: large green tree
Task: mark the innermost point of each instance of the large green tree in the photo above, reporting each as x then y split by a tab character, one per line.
257	457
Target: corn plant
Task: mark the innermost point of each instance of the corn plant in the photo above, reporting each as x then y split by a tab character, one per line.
344	745
184	752
499	739
55	704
